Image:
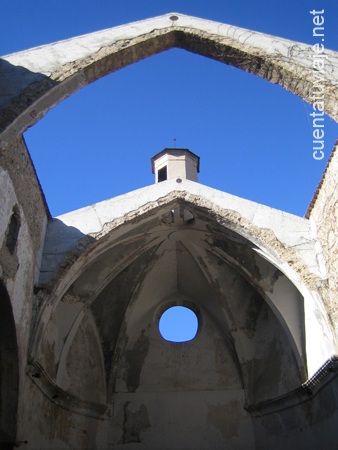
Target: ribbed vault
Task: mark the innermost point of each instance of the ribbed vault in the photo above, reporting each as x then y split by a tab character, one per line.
103	329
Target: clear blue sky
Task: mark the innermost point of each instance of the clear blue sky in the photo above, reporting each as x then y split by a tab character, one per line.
254	138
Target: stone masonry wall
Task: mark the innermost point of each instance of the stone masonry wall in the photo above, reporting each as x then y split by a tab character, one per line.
323	211
23	219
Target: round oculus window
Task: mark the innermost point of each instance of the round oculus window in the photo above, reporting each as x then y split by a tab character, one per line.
178	324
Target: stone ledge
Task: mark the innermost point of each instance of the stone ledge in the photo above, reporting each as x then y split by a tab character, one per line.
306	392
64	399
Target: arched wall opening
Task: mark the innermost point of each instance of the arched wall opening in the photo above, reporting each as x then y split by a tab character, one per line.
116	290
78	285
9	372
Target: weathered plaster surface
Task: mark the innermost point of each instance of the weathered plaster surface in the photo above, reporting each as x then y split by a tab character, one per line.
255	324
68	230
282	239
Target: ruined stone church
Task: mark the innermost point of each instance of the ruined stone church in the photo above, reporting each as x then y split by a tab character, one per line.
83	364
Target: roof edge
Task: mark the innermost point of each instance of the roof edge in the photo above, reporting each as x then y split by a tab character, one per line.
321	182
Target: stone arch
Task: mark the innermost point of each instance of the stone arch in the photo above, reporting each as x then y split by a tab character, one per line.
131	232
123	242
38	79
9	372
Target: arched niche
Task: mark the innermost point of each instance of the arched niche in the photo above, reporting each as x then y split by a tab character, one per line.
104	281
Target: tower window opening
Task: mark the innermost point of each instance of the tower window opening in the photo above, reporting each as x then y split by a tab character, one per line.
162	174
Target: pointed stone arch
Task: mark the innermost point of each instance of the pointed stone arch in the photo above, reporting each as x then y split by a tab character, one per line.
132	234
37	79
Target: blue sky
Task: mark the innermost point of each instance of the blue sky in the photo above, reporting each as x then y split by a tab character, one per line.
178	317
254	138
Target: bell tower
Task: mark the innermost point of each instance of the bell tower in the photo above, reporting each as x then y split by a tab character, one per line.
175	163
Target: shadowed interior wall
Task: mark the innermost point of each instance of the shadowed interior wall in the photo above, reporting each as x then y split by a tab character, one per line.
9	372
